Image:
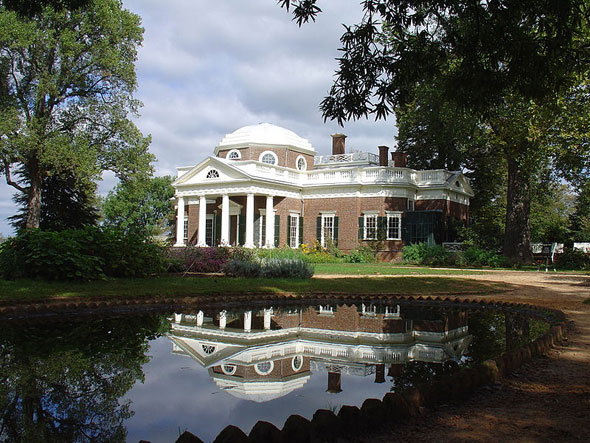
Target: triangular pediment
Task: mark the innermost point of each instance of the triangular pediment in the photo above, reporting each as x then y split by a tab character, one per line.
458	182
211	170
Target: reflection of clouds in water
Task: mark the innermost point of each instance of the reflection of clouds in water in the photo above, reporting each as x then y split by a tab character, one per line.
176	396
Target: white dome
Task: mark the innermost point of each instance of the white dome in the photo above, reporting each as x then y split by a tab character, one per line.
264	134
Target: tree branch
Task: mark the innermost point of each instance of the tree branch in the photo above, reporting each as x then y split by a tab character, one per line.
9	179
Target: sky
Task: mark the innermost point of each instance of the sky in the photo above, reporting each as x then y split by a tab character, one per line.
207	68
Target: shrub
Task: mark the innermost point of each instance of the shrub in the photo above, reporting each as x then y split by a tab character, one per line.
574	260
286	268
422	254
90	253
315	253
361	254
474	256
280	253
197	259
242	268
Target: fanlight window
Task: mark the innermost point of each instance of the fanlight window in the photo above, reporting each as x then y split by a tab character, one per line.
208	349
233	155
268	158
213	173
264	368
228	369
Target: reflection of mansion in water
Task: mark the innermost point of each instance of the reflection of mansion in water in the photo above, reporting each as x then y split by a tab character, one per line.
264	354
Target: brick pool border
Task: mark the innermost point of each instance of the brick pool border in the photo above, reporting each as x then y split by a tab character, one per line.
393	408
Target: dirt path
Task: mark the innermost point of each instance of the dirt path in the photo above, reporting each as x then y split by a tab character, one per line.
547	400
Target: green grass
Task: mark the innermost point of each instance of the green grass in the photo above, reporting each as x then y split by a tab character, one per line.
386	269
35	290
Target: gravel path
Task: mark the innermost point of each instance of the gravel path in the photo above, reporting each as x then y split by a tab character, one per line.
547	400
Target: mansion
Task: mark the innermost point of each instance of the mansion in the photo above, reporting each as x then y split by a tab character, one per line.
264	186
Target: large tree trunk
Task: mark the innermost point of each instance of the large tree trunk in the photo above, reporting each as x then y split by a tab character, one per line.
34	195
517	237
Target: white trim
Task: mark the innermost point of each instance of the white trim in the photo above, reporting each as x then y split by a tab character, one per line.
276	163
398	216
300	157
370	215
324	216
296	216
259	372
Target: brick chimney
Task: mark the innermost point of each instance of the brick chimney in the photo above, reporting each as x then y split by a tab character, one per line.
338	144
383	154
400	159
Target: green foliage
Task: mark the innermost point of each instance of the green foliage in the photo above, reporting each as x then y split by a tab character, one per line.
68	79
574	260
141	204
315	253
85	254
280	253
361	254
67	202
196	259
422	254
286	268
242	268
474	256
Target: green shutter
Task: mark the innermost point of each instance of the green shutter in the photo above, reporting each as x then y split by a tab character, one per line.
241	230
277	229
289	230
336	231
216	230
300	230
318	225
361	233
381	228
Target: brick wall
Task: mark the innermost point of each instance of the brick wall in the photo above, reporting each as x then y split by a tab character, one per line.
287	157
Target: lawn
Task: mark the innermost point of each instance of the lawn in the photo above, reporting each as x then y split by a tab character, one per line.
386	269
36	290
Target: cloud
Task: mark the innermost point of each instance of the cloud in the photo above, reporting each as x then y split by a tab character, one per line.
207	68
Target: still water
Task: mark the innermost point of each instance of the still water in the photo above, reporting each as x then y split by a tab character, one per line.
130	377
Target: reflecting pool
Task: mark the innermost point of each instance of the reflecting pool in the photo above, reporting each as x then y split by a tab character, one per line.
124	377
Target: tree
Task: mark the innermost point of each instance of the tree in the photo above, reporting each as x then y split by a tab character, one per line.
66	85
141	205
66	203
511	64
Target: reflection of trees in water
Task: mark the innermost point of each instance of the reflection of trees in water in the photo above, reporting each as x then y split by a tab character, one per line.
415	373
62	381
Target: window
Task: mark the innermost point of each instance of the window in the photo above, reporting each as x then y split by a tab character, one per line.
213	173
264	368
208	349
370	227
411	204
234	154
269	158
394	223
327	229
209	230
297	363
294	230
301	163
228	369
185	233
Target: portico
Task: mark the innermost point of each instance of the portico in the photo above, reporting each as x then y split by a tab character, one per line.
237	231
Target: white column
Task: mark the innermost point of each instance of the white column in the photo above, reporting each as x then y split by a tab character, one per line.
180	222
249	243
225	220
270	223
248	321
222	319
267	315
200	317
202	221
178	318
